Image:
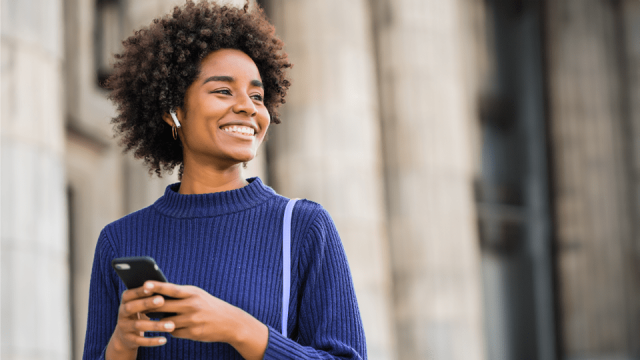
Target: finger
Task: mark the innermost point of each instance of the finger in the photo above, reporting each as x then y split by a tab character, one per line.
179	321
192	332
173	290
184	333
137	326
140	305
178	306
144	341
187	330
137	293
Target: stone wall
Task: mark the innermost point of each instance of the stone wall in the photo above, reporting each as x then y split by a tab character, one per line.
629	15
594	196
35	301
429	176
380	127
327	148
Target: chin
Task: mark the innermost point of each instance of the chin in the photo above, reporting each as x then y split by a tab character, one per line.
243	158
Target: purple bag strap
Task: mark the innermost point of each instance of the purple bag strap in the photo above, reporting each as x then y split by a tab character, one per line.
286	263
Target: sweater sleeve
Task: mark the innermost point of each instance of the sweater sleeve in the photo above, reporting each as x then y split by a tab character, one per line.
103	302
329	322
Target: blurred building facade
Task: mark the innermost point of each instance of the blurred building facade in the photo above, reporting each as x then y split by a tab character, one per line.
481	160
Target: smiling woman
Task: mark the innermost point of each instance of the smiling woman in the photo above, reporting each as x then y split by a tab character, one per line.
162	63
227	116
198	89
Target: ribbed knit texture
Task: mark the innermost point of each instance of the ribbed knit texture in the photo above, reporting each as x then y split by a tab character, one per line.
230	244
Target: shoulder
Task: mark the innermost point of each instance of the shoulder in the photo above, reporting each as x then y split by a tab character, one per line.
306	213
132	219
307	218
314	224
307	210
119	230
315	213
303	212
320	249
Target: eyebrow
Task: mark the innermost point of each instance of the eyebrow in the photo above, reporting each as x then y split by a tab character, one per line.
229	79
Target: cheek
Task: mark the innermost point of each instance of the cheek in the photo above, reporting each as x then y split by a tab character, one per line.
265	120
196	132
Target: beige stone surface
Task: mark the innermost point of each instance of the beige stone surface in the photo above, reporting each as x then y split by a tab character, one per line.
631	16
589	137
31	94
327	148
34	249
94	176
86	104
425	122
379	128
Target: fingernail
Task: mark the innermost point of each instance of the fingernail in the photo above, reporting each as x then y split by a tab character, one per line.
162	340
148	285
168	325
157	300
145	291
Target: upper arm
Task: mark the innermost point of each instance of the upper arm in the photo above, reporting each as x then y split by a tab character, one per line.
103	301
329	317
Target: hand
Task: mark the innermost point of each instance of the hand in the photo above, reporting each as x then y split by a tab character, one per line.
132	324
203	317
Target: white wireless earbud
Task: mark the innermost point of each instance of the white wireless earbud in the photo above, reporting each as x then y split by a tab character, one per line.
175	118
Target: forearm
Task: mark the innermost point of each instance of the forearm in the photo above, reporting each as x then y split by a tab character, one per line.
251	337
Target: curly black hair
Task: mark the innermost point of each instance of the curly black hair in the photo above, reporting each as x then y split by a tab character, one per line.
160	62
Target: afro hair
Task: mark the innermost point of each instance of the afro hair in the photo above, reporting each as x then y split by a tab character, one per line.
159	63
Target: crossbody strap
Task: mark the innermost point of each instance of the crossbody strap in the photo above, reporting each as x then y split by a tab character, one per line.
286	263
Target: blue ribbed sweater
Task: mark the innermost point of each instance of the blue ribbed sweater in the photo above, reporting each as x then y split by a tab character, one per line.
230	244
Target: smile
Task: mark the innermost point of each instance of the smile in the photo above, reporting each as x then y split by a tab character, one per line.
243	130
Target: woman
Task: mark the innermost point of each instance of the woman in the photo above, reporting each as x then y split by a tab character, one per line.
198	89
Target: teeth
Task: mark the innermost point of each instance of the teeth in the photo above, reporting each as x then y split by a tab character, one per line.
239	129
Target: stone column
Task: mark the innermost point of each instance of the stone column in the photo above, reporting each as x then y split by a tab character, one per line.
35	279
629	16
327	148
590	137
426	126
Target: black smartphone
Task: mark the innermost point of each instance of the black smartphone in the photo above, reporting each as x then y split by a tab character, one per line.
135	270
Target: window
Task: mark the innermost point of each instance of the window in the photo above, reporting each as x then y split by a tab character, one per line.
108	37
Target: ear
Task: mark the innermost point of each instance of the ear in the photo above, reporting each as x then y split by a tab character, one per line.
169	120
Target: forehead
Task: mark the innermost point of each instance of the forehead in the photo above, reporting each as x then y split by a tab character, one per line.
229	62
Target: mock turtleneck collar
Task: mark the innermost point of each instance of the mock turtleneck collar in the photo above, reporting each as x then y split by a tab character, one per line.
177	205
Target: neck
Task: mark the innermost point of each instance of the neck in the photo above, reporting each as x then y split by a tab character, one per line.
205	180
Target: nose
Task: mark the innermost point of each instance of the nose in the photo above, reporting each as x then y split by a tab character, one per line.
244	104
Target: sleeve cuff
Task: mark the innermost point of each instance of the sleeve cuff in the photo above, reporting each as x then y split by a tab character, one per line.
281	348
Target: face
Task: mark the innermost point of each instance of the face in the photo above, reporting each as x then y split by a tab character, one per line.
224	119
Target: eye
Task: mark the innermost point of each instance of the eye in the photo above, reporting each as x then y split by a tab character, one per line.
257	97
222	91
